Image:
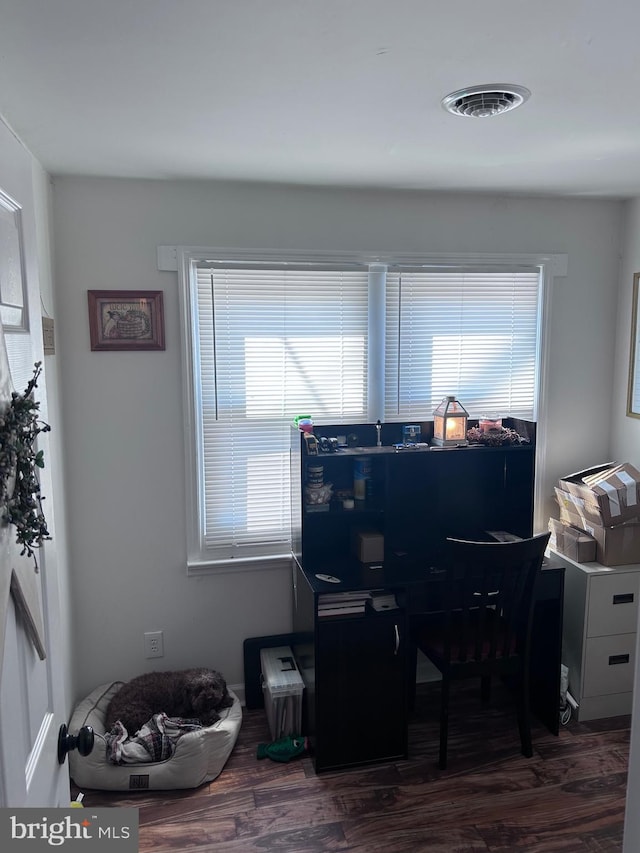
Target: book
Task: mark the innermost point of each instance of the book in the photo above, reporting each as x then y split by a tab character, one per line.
340	611
342	603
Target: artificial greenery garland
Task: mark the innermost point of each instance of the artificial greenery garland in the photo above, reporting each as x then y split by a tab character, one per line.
20	497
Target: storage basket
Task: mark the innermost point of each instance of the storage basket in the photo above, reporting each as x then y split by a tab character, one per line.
283	687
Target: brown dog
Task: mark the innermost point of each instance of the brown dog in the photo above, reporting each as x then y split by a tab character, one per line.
189	693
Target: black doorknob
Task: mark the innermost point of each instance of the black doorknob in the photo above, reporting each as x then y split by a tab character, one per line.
83	742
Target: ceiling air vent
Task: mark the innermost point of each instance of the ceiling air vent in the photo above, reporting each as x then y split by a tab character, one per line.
485	101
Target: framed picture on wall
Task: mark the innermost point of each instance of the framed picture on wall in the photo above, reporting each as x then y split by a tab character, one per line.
126	319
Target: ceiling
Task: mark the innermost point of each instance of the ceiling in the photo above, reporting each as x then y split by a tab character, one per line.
328	92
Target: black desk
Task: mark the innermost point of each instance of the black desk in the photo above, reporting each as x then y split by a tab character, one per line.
359	670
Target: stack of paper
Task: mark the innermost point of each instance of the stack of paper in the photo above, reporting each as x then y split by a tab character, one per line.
342	603
383	601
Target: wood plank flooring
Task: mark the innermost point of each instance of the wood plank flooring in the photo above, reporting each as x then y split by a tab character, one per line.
569	797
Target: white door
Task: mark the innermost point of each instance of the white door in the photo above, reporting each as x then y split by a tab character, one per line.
31	689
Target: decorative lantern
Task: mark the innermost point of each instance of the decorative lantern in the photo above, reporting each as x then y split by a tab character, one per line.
450	423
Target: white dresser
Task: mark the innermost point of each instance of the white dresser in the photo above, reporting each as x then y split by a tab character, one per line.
599	635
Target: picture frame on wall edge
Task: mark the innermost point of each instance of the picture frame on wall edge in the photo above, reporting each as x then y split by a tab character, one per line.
126	320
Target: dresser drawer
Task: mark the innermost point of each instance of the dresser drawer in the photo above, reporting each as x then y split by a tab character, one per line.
610	664
613	604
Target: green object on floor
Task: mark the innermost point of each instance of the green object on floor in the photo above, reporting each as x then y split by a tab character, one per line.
284	749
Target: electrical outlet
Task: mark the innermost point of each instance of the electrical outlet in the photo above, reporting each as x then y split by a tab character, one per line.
153	644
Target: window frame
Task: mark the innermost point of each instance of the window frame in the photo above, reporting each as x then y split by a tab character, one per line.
182	258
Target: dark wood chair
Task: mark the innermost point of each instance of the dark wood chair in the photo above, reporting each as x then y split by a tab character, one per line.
483	626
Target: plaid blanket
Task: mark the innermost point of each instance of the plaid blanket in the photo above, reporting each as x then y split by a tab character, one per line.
155	741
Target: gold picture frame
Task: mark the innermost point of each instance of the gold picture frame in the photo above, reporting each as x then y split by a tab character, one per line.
633	391
126	320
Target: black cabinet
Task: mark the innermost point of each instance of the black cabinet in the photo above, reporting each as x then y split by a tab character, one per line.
354	671
360	690
356	666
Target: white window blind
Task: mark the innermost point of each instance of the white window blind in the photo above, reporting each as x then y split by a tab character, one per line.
466	332
273	341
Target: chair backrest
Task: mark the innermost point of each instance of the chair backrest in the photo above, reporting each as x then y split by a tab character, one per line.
487	598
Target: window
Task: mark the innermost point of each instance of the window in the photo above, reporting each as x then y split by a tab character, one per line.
472	333
273	342
344	342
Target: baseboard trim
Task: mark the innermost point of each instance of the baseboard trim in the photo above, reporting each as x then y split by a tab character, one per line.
238	689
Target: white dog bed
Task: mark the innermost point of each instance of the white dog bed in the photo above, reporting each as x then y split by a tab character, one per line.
199	755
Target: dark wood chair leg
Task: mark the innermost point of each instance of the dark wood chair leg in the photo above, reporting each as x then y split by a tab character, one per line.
485	688
444	723
524	718
412	662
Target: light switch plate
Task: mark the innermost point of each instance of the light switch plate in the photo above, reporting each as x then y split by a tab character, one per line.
48	341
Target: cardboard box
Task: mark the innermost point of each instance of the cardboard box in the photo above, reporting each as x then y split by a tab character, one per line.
616	545
368	546
586	513
572	542
282	686
612	490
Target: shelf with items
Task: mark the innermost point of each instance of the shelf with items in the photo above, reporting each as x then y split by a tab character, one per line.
337	507
414	498
356	603
342	604
349	482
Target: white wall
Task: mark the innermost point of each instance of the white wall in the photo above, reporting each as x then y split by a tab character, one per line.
123	419
626	446
626	431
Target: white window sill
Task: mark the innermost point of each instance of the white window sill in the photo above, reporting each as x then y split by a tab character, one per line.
197	568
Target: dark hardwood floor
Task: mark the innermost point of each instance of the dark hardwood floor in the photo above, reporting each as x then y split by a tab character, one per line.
569	797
